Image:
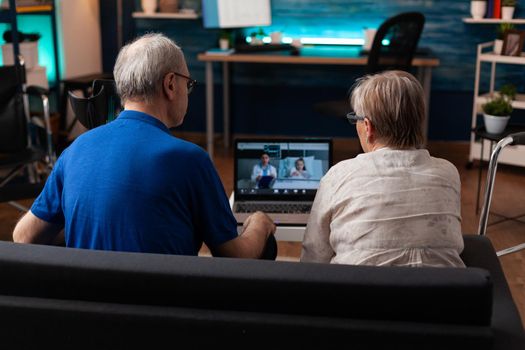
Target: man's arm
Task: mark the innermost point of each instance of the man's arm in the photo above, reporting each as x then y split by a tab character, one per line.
31	229
251	242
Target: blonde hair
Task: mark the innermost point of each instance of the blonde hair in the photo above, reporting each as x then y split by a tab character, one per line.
394	102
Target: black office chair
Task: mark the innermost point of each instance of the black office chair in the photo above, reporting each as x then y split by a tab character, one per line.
26	143
393	48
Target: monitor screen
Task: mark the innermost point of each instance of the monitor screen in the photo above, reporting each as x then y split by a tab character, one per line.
236	13
291	167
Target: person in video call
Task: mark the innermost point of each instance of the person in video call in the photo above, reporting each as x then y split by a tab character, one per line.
299	170
262	169
394	204
130	185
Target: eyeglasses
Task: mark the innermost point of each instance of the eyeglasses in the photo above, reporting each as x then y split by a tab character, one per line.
354	118
191	82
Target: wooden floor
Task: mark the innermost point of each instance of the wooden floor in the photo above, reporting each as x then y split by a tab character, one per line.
507	201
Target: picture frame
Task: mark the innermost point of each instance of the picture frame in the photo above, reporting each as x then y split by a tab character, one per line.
513	42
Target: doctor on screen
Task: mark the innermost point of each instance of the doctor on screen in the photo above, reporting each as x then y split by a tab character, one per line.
263	169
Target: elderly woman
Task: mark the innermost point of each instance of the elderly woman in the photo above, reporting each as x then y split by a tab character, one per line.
394	204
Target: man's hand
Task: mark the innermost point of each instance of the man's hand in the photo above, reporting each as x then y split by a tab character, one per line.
260	222
251	242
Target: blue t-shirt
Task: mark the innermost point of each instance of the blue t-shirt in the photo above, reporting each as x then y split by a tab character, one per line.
131	186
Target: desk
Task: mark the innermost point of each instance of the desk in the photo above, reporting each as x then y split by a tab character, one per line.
309	55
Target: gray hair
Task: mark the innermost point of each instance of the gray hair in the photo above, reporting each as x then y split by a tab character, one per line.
394	102
142	64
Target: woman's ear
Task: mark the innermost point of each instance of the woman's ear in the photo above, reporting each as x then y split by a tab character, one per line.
370	131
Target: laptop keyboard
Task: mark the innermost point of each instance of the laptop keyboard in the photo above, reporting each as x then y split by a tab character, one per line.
283	208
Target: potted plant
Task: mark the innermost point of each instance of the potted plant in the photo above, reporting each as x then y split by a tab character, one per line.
508	90
507	9
257	37
502	29
478	8
225	39
496	113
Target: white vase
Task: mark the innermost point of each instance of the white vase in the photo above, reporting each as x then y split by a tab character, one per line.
369	39
149	6
224	44
276	37
495	124
478	9
507	12
498	45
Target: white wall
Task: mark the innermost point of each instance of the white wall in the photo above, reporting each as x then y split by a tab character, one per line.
78	24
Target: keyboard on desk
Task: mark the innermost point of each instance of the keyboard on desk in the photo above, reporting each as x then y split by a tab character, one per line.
246	48
288	208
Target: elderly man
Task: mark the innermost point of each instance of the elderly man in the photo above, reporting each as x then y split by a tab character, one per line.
130	185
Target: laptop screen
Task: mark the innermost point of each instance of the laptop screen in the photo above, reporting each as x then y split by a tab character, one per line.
280	169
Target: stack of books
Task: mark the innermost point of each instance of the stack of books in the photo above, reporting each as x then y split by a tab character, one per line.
26	3
493	9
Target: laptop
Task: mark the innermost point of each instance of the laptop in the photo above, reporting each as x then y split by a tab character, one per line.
279	177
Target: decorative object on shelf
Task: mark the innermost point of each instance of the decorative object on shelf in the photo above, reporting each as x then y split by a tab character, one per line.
191	6
502	30
169	6
508	90
8	36
257	37
149	6
23	3
276	37
28	43
478	8
496	113
225	39
513	43
369	38
507	9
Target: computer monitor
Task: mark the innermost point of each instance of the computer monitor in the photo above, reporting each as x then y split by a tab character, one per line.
236	13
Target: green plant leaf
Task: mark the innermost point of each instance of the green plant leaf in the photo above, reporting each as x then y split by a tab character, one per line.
499	106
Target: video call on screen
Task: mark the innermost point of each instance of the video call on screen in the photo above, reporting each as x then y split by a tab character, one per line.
297	167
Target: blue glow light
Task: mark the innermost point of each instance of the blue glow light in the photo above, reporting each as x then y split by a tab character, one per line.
41	25
316	41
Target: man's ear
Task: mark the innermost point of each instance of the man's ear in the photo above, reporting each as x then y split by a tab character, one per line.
168	86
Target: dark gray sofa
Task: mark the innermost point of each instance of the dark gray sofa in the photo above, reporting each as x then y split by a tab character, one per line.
54	296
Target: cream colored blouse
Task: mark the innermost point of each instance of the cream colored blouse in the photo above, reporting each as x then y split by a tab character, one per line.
387	207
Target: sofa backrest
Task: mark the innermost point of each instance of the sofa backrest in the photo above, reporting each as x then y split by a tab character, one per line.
458	296
96	297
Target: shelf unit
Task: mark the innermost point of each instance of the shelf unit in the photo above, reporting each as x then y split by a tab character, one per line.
9	16
494	20
166	15
514	155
